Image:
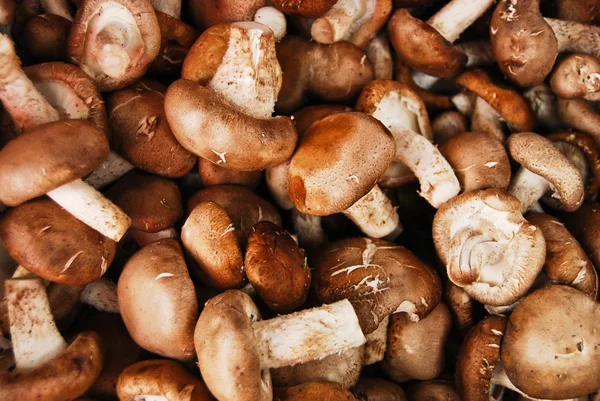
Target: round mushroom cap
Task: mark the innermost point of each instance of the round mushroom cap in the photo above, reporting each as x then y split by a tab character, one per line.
158	302
377	389
49	242
141	133
538	155
378	277
433	390
313	391
152	202
338	161
48	156
422	47
479	161
550	349
276	267
228	355
206	14
160	378
576	76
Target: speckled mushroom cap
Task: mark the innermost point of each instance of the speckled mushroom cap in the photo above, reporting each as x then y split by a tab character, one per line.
306	9
313	391
101	25
160	378
49	242
378	277
209	13
176	39
377	389
538	155
432	390
338	161
508	103
576	76
158	302
152	202
427	51
550	349
141	133
48	156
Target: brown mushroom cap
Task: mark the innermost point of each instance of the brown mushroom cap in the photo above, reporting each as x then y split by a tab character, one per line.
465	311
207	14
447	124
524	44
580	115
330	169
276	267
310	9
576	76
49	156
479	160
376	389
160	378
378	277
51	243
325	391
432	390
584	224
213	174
45	37
550	349
152	202
176	38
420	46
141	133
157	300
583	11
538	155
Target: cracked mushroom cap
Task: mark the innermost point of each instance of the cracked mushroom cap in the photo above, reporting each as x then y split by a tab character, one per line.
48	156
479	161
576	76
305	9
330	169
141	132
153	203
160	379
208	13
511	106
377	389
551	348
487	246
313	391
422	47
538	155
49	242
115	41
378	277
158	302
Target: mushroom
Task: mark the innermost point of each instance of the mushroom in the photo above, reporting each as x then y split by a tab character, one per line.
330	173
380	54
479	161
45	37
465	311
575	37
544	169
432	390
584	224
523	41
378	277
172	8
377	389
230	330
415	350
214	174
7	11
206	14
577	76
566	263
158	302
101	295
114	42
313	391
427	46
176	39
579	115
550	348
583	11
311	9
404	74
333	73
404	114
47	368
160	380
487	246
354	21
543	105
143	238
274	19
276	267
376	343
446	125
46	240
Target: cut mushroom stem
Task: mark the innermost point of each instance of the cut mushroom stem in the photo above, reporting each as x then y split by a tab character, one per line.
35	337
575	37
309	230
343	17
375	215
102	295
92	208
113	168
458	15
528	188
307	335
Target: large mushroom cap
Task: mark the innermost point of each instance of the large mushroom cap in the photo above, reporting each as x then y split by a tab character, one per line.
551	348
49	156
338	161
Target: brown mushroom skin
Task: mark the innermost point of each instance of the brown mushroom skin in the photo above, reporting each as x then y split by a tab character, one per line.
432	390
584	224
65	377
59	247
209	13
213	174
276	268
322	391
45	36
305	9
576	76
176	39
377	389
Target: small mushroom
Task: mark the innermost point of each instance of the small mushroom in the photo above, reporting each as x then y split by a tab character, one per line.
313	391
577	76
377	389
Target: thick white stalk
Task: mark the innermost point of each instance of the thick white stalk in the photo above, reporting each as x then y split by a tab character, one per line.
575	37
463	103
486	119
92	208
113	168
307	335
309	229
458	15
528	188
102	295
342	20
375	215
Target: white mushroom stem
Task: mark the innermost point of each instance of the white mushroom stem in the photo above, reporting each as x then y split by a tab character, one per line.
380	55
342	20
274	19
528	188
542	101
425	81
277	181
102	295
57	7
375	215
35	338
92	208
308	335
575	37
111	169
458	15
169	7
486	119
499	378
464	103
27	107
309	229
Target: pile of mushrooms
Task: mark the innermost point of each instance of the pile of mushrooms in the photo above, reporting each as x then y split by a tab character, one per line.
299	200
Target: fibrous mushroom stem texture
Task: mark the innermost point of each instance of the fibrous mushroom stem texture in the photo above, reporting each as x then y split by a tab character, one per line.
375	214
457	16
